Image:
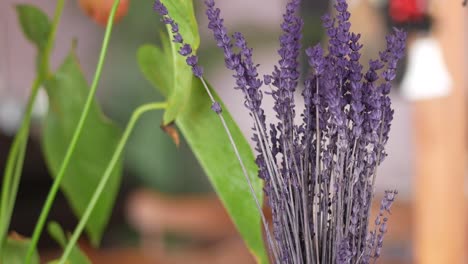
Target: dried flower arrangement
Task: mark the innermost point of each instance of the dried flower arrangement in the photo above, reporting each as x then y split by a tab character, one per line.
320	174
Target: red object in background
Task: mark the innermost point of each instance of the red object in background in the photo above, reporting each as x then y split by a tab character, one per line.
402	11
99	10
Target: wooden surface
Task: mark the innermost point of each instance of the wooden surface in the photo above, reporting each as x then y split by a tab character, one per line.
230	249
440	152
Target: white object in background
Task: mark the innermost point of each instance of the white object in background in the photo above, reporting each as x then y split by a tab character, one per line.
12	111
427	75
11	114
41	105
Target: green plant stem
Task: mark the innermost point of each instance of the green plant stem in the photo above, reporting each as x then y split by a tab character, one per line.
14	165
79	129
102	183
45	65
17	176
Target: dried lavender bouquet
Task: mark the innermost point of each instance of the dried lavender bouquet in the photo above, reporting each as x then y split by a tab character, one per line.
320	174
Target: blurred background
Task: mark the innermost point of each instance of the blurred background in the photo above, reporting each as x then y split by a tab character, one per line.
166	211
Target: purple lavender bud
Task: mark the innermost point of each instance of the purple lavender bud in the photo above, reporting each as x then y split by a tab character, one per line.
160	8
389	75
185	50
178	38
167	20
316	60
375	65
216	107
377	221
197	71
383	227
327	21
388	200
341	6
174	28
192	60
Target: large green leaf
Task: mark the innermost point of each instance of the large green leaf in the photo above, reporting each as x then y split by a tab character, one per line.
205	134
15	251
182	12
67	91
76	256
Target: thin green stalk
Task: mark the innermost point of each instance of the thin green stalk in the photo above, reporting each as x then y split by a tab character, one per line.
45	65
102	183
17	177
79	129
12	173
15	185
14	165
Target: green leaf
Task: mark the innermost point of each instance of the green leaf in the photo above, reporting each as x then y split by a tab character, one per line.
36	27
56	232
15	252
67	91
76	256
181	11
204	133
154	62
35	24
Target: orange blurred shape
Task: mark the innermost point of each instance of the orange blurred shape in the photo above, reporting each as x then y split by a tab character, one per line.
99	10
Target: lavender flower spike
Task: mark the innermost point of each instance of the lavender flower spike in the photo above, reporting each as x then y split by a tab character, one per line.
186	49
